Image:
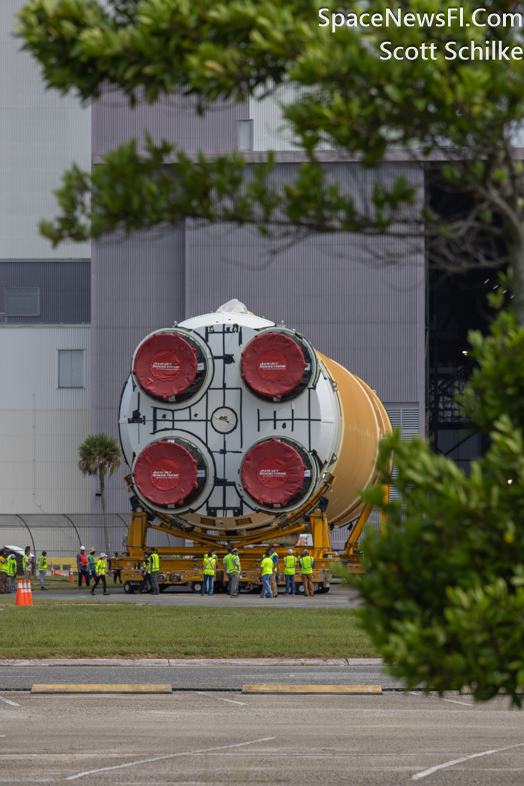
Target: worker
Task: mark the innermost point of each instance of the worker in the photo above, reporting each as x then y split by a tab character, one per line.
4	581
307	564
117	572
227	562
145	572
27	563
290	564
234	573
42	569
11	571
210	565
82	567
91	564
154	567
266	571
100	574
274	576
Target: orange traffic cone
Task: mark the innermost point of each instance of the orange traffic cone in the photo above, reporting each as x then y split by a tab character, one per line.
20	596
71	577
29	594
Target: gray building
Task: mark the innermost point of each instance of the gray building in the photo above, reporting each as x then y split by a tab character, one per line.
340	292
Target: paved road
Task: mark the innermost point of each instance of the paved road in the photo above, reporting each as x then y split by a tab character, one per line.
224	739
187	675
339	597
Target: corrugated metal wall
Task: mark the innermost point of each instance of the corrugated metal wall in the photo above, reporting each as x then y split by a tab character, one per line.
41	134
138	285
41	425
65	288
172	119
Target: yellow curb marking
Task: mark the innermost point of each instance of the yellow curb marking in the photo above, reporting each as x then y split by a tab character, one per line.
312	689
101	688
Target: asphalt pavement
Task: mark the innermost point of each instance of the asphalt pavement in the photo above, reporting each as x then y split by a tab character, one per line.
190	675
339	597
220	739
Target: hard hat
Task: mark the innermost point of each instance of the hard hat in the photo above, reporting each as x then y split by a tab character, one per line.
82	548
290	551
305	552
103	554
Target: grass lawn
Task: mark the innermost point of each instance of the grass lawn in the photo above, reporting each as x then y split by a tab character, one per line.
75	630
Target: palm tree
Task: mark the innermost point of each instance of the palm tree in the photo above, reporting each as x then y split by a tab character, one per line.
99	455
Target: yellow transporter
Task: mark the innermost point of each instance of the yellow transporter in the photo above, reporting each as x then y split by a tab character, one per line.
237	432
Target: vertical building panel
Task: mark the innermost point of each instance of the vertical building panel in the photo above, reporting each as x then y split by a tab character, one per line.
138	285
41	134
41	424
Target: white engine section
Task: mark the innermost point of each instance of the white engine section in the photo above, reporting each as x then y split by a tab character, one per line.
222	420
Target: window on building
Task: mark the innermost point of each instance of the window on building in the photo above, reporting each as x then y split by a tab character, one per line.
22	301
71	368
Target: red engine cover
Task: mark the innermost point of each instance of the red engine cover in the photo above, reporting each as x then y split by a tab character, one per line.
272	472
165	365
165	473
273	365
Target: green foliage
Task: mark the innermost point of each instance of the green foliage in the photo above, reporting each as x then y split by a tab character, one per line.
99	454
444	586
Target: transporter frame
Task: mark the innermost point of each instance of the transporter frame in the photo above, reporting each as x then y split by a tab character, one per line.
185	568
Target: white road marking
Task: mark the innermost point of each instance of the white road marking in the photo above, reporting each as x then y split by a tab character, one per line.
453	701
431	770
221	698
8	701
168	756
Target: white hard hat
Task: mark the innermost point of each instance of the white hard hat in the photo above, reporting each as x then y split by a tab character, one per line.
290	551
82	548
103	554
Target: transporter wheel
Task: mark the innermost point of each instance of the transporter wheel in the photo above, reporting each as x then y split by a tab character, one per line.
163	587
129	588
299	589
196	586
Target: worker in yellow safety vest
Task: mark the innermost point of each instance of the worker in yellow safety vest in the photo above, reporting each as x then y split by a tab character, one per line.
266	572
11	571
307	564
235	573
227	562
42	568
290	565
4	581
210	566
100	574
27	563
154	568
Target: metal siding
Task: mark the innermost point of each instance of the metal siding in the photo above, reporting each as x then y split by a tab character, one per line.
64	288
172	119
41	134
342	292
41	424
138	285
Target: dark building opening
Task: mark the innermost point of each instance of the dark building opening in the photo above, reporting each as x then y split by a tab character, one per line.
456	302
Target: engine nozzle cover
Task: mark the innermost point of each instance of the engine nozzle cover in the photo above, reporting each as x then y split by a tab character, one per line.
273	365
273	472
166	473
166	366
